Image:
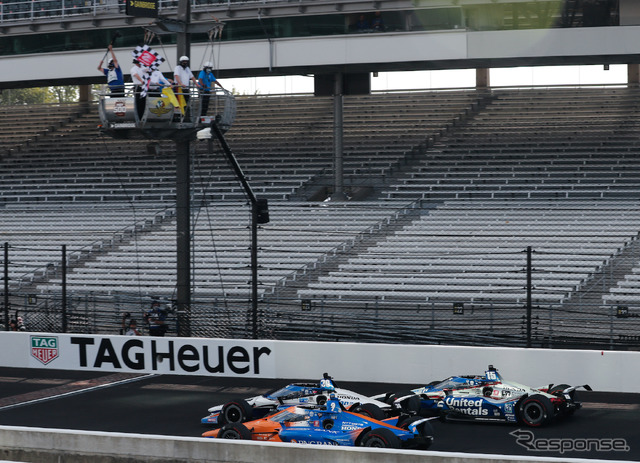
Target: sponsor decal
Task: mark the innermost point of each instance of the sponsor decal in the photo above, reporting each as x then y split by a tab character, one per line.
467	406
120	108
44	348
160	108
151	355
314	442
562	445
351	426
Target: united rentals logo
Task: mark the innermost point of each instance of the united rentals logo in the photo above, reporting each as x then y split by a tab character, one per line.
44	348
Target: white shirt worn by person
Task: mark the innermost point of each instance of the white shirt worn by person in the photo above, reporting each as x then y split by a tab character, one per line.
157	80
139	72
183	76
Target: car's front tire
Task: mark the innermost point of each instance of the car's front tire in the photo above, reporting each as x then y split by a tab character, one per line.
235	431
381	438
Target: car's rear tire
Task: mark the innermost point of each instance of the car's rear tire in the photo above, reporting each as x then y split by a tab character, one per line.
236	411
234	431
381	438
426	430
536	410
412	404
370	410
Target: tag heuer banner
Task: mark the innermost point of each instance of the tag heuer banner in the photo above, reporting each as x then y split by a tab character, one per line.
144	8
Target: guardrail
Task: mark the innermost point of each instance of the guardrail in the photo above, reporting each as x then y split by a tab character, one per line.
39	9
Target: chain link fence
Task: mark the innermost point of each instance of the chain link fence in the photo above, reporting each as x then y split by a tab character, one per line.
370	321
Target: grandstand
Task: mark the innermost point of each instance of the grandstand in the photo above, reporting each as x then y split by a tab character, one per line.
495	216
448	194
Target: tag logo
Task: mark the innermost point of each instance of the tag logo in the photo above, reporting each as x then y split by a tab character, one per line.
44	348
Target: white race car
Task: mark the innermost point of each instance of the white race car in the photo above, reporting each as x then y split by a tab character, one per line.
240	410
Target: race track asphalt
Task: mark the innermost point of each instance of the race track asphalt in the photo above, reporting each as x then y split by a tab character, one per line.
608	426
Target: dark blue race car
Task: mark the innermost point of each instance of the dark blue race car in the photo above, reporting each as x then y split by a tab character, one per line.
491	398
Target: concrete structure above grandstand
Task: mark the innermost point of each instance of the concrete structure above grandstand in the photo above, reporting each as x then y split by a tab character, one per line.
321	37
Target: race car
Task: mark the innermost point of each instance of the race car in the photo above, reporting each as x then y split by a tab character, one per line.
491	398
240	410
331	424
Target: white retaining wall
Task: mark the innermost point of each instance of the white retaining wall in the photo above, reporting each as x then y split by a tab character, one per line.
396	363
56	446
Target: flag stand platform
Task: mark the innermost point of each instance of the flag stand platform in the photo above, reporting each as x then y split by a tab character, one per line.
165	115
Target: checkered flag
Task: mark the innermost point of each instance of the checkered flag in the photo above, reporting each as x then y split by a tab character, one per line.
147	57
151	60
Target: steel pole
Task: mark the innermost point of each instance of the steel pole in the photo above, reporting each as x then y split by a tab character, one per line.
338	137
183	237
6	286
64	288
529	289
183	196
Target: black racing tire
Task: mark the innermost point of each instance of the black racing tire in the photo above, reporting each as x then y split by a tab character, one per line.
234	431
411	404
321	399
370	410
381	438
405	420
328	424
236	411
535	410
426	430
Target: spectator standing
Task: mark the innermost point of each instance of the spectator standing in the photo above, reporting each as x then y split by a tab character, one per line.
157	82
137	77
115	79
132	329
156	318
207	80
183	76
